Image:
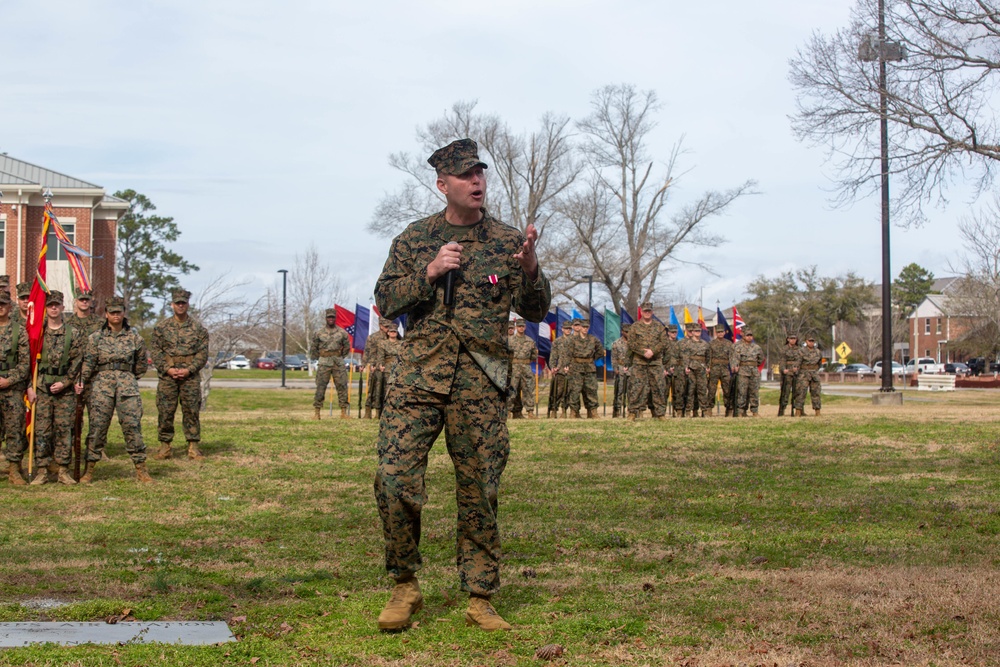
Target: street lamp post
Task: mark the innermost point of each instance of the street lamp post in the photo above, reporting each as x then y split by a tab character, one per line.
590	292
284	321
882	51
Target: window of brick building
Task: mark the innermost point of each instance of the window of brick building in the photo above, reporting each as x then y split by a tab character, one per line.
56	251
927	325
939	325
3	238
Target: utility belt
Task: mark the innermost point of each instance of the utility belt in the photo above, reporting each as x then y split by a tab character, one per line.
809	368
583	360
172	361
719	363
116	366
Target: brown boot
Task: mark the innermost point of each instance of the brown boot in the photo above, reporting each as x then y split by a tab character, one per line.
755	413
165	452
729	412
14	474
343	413
88	474
405	601
368	413
631	416
482	614
616	413
141	474
817	413
591	413
53	471
781	411
193	452
378	414
515	415
564	413
576	414
316	414
64	476
41	477
530	414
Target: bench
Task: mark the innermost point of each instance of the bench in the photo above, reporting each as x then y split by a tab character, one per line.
926	382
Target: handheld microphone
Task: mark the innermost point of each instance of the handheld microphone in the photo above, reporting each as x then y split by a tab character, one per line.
449	283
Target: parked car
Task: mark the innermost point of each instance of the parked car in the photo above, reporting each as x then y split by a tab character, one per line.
860	369
266	364
923	365
897	368
294	362
221	360
238	363
956	368
835	368
979	365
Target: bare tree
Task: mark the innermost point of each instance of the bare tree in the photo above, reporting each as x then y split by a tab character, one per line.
312	288
619	219
977	294
940	99
531	170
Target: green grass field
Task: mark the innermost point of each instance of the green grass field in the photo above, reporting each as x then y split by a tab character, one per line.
864	537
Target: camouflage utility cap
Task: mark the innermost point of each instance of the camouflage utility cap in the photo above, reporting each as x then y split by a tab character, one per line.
115	304
180	296
747	331
520	323
646	305
54	298
23	290
331	312
568	324
791	336
720	329
85	295
5	279
456	158
4	297
672	327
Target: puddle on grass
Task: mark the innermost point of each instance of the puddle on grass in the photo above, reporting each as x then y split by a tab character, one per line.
43	603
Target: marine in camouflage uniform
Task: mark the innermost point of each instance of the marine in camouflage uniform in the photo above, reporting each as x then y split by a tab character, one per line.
522	380
20	314
376	378
621	361
179	346
745	360
55	405
330	345
452	375
385	359
694	360
788	366
584	350
85	320
647	342
808	379
559	363
14	369
672	366
718	369
115	359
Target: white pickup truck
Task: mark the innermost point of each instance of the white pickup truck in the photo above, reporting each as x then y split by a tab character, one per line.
924	365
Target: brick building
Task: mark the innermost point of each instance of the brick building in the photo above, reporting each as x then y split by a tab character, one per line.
935	325
88	214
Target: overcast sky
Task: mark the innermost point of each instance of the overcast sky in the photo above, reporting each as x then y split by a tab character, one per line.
262	126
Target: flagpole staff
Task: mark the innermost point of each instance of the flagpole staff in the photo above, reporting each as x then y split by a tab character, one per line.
284	321
366	377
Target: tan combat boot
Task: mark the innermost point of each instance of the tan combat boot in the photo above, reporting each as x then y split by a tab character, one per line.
482	613
817	413
631	416
616	413
41	477
64	476
729	412
781	411
368	413
378	414
530	414
316	414
755	413
564	413
193	452
405	601
165	452
343	413
576	414
53	471
659	418
14	474
591	413
141	474
515	415
88	474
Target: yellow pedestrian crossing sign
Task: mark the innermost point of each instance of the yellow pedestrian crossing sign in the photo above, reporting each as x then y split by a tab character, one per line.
843	351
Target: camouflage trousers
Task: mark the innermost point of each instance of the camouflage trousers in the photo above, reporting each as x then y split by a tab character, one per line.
115	391
323	375
621	391
558	392
647	387
720	375
169	393
696	390
807	381
582	382
376	390
54	417
522	388
787	389
747	392
678	388
12	423
474	419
